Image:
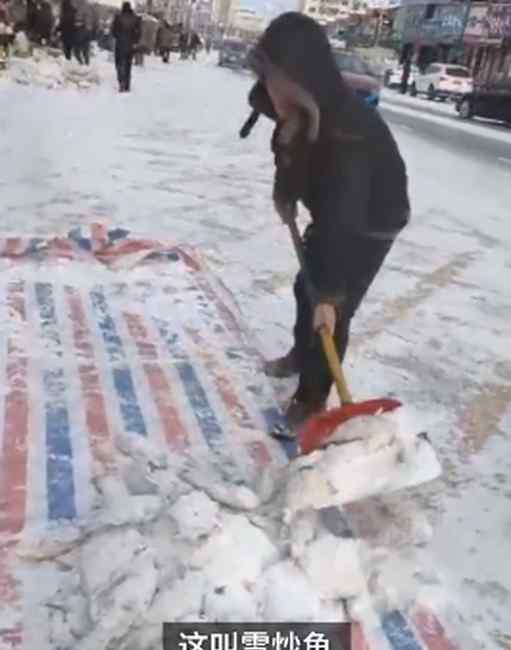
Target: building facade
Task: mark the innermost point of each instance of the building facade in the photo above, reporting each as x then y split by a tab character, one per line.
487	40
431	32
476	34
330	11
246	23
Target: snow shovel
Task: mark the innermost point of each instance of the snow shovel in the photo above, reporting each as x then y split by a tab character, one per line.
319	427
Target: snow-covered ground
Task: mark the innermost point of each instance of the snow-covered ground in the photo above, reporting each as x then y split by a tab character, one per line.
435	329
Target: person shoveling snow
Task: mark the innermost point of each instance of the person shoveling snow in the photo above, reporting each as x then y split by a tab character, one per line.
338	158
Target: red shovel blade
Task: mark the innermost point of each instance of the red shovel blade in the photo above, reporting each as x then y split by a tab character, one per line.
321	426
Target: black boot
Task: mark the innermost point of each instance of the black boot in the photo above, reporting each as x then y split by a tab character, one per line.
283	367
297	415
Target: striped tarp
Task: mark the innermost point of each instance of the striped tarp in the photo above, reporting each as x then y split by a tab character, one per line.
93	345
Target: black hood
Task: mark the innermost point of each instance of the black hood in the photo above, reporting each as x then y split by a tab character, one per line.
299	48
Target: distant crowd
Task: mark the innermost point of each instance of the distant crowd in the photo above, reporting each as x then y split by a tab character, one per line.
78	24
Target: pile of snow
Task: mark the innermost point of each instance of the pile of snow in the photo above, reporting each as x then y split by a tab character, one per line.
196	537
366	456
51	72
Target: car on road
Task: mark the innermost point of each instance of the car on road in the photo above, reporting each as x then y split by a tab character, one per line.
492	101
442	81
359	75
232	53
393	76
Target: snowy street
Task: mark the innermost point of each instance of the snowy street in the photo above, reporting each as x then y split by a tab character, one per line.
166	161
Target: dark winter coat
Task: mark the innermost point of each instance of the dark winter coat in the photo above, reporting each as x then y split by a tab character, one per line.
344	165
46	21
165	36
126	29
67	23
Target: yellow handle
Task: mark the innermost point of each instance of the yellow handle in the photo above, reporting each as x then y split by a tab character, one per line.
334	364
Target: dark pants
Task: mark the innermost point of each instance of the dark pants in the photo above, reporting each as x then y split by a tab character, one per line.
123	62
360	259
165	54
67	46
82	49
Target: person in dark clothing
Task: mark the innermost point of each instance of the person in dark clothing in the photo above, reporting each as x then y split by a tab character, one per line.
84	25
195	45
67	27
126	30
336	156
165	38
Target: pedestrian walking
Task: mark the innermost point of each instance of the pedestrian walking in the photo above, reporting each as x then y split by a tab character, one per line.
67	27
84	27
165	40
337	157
126	30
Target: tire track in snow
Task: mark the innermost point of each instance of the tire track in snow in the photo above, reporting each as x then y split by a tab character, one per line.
396	309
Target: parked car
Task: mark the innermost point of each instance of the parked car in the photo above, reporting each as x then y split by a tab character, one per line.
232	53
394	75
442	81
490	100
359	75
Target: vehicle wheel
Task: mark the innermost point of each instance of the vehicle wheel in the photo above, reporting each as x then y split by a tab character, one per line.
465	110
413	90
431	93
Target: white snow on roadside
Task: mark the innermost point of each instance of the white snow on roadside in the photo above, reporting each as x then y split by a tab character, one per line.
50	72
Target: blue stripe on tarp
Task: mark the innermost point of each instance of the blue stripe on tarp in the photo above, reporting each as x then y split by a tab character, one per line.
36	246
123	379
273	416
399	633
204	413
59	462
59	453
75	234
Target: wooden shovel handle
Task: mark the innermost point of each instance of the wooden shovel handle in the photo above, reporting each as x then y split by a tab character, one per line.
334	364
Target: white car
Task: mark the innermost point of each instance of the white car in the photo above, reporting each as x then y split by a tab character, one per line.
394	76
442	80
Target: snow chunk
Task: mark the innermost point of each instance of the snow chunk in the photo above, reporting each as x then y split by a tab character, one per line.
288	594
333	566
196	515
137	481
48	72
182	598
123	602
373	455
230	603
223	558
142	450
106	557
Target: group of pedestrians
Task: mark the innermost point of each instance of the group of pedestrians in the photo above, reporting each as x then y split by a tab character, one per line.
76	29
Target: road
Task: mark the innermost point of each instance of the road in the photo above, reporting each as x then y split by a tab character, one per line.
434	330
478	140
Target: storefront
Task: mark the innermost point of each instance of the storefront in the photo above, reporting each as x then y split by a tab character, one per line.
433	32
487	41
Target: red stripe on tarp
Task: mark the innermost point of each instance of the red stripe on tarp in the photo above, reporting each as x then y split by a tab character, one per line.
12	246
61	247
431	630
93	396
235	407
358	639
13	465
173	427
257	449
228	318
